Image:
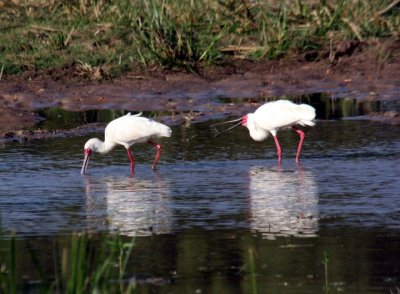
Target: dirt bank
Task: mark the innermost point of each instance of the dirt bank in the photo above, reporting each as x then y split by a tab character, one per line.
351	69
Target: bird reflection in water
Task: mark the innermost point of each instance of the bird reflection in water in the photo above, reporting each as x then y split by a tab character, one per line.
130	207
283	202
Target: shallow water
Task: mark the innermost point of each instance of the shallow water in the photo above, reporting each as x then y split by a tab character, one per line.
213	200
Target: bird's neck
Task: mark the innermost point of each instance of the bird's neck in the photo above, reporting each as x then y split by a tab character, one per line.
105	147
256	132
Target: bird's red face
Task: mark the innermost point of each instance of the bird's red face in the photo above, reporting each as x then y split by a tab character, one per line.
244	120
88	152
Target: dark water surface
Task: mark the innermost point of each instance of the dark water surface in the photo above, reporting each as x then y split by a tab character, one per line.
216	203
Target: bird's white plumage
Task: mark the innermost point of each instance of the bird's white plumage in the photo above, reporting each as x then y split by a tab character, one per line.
272	116
127	131
131	129
276	115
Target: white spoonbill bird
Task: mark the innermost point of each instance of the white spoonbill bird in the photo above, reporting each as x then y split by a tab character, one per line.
126	131
272	116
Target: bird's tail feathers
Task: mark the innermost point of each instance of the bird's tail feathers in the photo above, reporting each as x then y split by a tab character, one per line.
307	114
137	114
163	130
310	123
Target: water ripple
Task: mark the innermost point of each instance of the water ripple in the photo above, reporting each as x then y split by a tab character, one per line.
349	177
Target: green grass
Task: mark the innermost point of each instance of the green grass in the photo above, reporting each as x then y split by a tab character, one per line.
107	38
252	271
325	262
79	267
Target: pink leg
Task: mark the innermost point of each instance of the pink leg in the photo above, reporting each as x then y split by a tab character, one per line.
278	149
132	161
158	153
302	135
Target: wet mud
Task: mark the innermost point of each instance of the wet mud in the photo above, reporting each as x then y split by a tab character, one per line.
363	73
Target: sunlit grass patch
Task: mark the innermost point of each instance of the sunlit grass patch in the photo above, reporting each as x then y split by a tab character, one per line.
120	35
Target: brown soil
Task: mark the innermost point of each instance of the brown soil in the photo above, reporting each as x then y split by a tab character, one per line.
354	69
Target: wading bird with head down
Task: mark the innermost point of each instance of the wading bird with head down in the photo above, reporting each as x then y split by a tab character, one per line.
273	116
127	130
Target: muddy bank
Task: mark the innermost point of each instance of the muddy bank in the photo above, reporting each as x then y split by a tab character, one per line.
366	73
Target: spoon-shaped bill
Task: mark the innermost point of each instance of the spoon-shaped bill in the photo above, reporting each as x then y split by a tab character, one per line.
238	122
85	164
226	122
228	129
